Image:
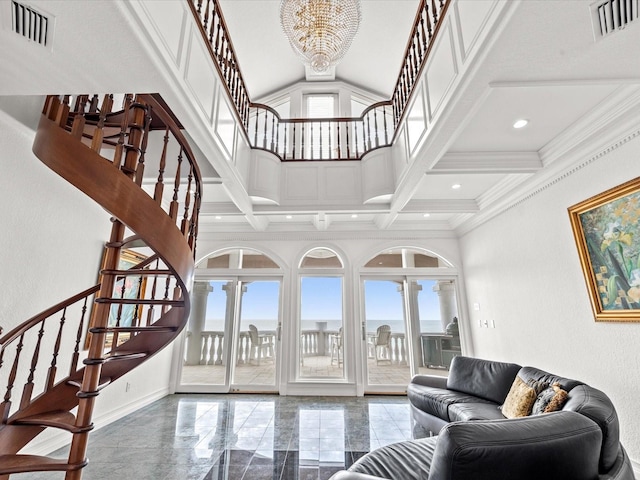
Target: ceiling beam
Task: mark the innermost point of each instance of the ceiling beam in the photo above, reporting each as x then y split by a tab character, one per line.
488	162
441	206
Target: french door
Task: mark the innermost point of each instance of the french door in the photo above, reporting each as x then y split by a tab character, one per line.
232	341
403	316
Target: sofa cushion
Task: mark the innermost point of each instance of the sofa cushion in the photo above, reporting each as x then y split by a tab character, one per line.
597	406
560	445
520	399
408	460
482	378
474	411
436	401
535	376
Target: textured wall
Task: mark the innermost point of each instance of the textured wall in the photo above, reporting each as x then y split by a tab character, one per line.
523	272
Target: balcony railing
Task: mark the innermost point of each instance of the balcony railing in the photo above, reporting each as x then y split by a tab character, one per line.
313	138
313	343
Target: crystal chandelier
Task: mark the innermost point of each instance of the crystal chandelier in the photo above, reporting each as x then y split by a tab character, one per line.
320	31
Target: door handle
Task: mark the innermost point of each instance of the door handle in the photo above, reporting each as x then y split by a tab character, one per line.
279	332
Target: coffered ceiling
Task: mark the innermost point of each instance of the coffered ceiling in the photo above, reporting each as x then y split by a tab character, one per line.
541	61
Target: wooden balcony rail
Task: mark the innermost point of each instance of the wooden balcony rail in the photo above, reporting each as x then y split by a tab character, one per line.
425	28
313	138
320	138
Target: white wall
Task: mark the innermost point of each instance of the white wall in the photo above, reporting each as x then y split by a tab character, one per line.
51	243
522	268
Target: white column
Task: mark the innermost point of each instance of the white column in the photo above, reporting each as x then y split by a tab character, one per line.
448	308
199	295
414	318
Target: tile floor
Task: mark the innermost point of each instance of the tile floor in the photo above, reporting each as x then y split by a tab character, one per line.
242	437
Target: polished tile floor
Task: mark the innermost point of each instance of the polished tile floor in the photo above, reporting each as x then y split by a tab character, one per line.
242	437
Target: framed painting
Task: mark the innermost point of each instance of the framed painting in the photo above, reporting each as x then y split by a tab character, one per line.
125	287
607	233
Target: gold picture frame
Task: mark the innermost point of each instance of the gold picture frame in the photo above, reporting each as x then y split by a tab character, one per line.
606	229
125	287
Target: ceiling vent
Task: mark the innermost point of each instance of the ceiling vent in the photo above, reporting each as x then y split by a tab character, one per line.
611	15
31	24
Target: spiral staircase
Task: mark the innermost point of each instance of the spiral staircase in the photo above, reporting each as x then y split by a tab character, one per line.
55	364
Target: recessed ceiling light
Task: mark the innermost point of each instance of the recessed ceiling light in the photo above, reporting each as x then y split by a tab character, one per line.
355	215
218	217
520	123
456	186
289	217
425	215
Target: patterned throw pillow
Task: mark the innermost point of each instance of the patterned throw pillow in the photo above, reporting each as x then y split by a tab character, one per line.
550	399
520	399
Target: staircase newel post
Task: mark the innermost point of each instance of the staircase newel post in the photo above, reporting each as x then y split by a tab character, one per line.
93	368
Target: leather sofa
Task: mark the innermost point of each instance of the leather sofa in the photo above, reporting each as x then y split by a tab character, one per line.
474	441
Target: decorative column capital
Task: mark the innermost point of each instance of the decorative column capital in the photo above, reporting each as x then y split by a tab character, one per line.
202	288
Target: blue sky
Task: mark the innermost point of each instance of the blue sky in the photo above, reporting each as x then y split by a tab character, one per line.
322	300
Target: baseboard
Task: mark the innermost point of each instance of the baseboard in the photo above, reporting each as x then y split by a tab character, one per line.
52	440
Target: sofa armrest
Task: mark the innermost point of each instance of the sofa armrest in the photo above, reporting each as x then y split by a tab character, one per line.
554	445
430	381
345	475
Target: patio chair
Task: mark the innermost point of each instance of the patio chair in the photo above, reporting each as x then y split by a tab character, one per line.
382	344
261	345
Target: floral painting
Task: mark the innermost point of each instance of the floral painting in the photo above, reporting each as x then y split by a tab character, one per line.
607	234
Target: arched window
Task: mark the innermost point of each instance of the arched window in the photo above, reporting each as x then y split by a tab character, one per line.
321	315
235	311
412	292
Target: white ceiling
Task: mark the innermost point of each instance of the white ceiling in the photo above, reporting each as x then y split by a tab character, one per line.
544	66
268	63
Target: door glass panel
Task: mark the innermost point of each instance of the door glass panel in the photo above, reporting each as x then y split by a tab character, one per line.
258	313
387	352
321	334
204	361
438	320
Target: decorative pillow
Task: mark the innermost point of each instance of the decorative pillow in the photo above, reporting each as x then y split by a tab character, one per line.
543	400
549	400
520	399
558	400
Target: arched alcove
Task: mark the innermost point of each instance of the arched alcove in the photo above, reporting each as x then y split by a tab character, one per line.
321	257
406	257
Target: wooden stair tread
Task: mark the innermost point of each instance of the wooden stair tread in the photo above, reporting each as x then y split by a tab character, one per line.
104	381
56	419
124	355
149	328
140	301
138	271
117	355
35	463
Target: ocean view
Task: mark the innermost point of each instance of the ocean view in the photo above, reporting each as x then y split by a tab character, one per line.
426	326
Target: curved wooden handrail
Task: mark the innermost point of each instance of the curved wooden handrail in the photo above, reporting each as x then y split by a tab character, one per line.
165	221
95	176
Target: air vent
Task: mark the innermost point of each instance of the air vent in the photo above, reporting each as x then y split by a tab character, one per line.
611	15
30	24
